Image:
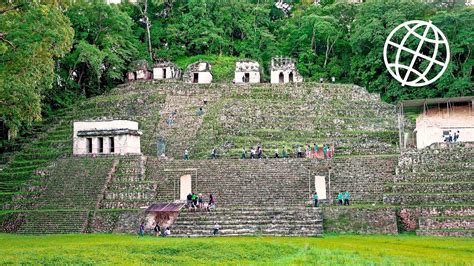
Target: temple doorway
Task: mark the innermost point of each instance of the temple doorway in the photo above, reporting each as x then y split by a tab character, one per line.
184	186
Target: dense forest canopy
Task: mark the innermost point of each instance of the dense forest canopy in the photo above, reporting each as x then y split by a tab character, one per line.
55	52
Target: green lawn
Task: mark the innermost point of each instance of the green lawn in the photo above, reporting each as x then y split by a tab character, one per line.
329	250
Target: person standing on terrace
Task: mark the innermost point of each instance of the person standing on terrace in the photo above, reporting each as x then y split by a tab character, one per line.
284	154
346	198
186	154
214	153
243	154
339	198
316	199
201	201
325	150
142	229
308	151
276	153
157	229
315	150
252	153
299	153
216	228
259	152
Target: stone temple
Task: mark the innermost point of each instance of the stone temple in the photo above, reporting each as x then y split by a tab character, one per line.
198	72
165	70
139	71
247	71
106	137
283	70
85	174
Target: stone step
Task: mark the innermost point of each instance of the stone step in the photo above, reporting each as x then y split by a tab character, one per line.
424	199
300	230
447	211
451	222
446	233
252	221
432	187
54	222
459	176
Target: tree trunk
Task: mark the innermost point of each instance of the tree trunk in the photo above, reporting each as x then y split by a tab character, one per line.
147	21
327	53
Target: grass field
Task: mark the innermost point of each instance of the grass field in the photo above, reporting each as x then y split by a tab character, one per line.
330	250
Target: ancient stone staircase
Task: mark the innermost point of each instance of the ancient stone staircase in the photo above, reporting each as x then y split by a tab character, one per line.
62	199
55	222
447	221
237	182
355	121
439	183
251	221
178	136
128	187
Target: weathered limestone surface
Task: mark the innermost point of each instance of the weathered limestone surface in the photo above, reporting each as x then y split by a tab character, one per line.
435	187
360	220
364	177
274	221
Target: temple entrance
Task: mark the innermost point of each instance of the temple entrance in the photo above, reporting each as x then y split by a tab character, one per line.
195	77
320	187
246	77
184	186
281	78
290	77
89	145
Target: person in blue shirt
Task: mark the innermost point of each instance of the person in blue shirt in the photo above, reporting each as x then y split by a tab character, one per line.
346	198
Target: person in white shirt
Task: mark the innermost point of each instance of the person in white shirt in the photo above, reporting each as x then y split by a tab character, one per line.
216	229
167	232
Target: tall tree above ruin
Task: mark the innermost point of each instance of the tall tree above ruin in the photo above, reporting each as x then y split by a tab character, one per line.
32	38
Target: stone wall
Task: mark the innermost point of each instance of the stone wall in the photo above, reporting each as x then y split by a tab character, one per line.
364	177
128	221
434	188
360	220
431	125
272	181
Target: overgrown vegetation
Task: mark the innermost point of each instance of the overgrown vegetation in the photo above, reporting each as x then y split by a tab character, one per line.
83	49
330	250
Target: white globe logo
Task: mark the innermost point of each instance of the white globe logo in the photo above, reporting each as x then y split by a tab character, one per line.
417	73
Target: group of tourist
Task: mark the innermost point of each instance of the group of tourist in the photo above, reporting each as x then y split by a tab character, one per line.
196	201
312	151
257	152
333	79
343	198
451	137
157	230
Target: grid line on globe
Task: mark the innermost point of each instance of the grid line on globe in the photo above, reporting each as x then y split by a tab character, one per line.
421	76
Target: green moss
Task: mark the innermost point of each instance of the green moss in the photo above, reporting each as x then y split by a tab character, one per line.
223	67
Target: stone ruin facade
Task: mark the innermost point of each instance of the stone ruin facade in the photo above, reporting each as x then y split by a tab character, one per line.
198	72
163	70
247	71
436	123
139	71
106	137
283	70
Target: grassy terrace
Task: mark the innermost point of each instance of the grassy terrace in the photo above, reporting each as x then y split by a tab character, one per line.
329	250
